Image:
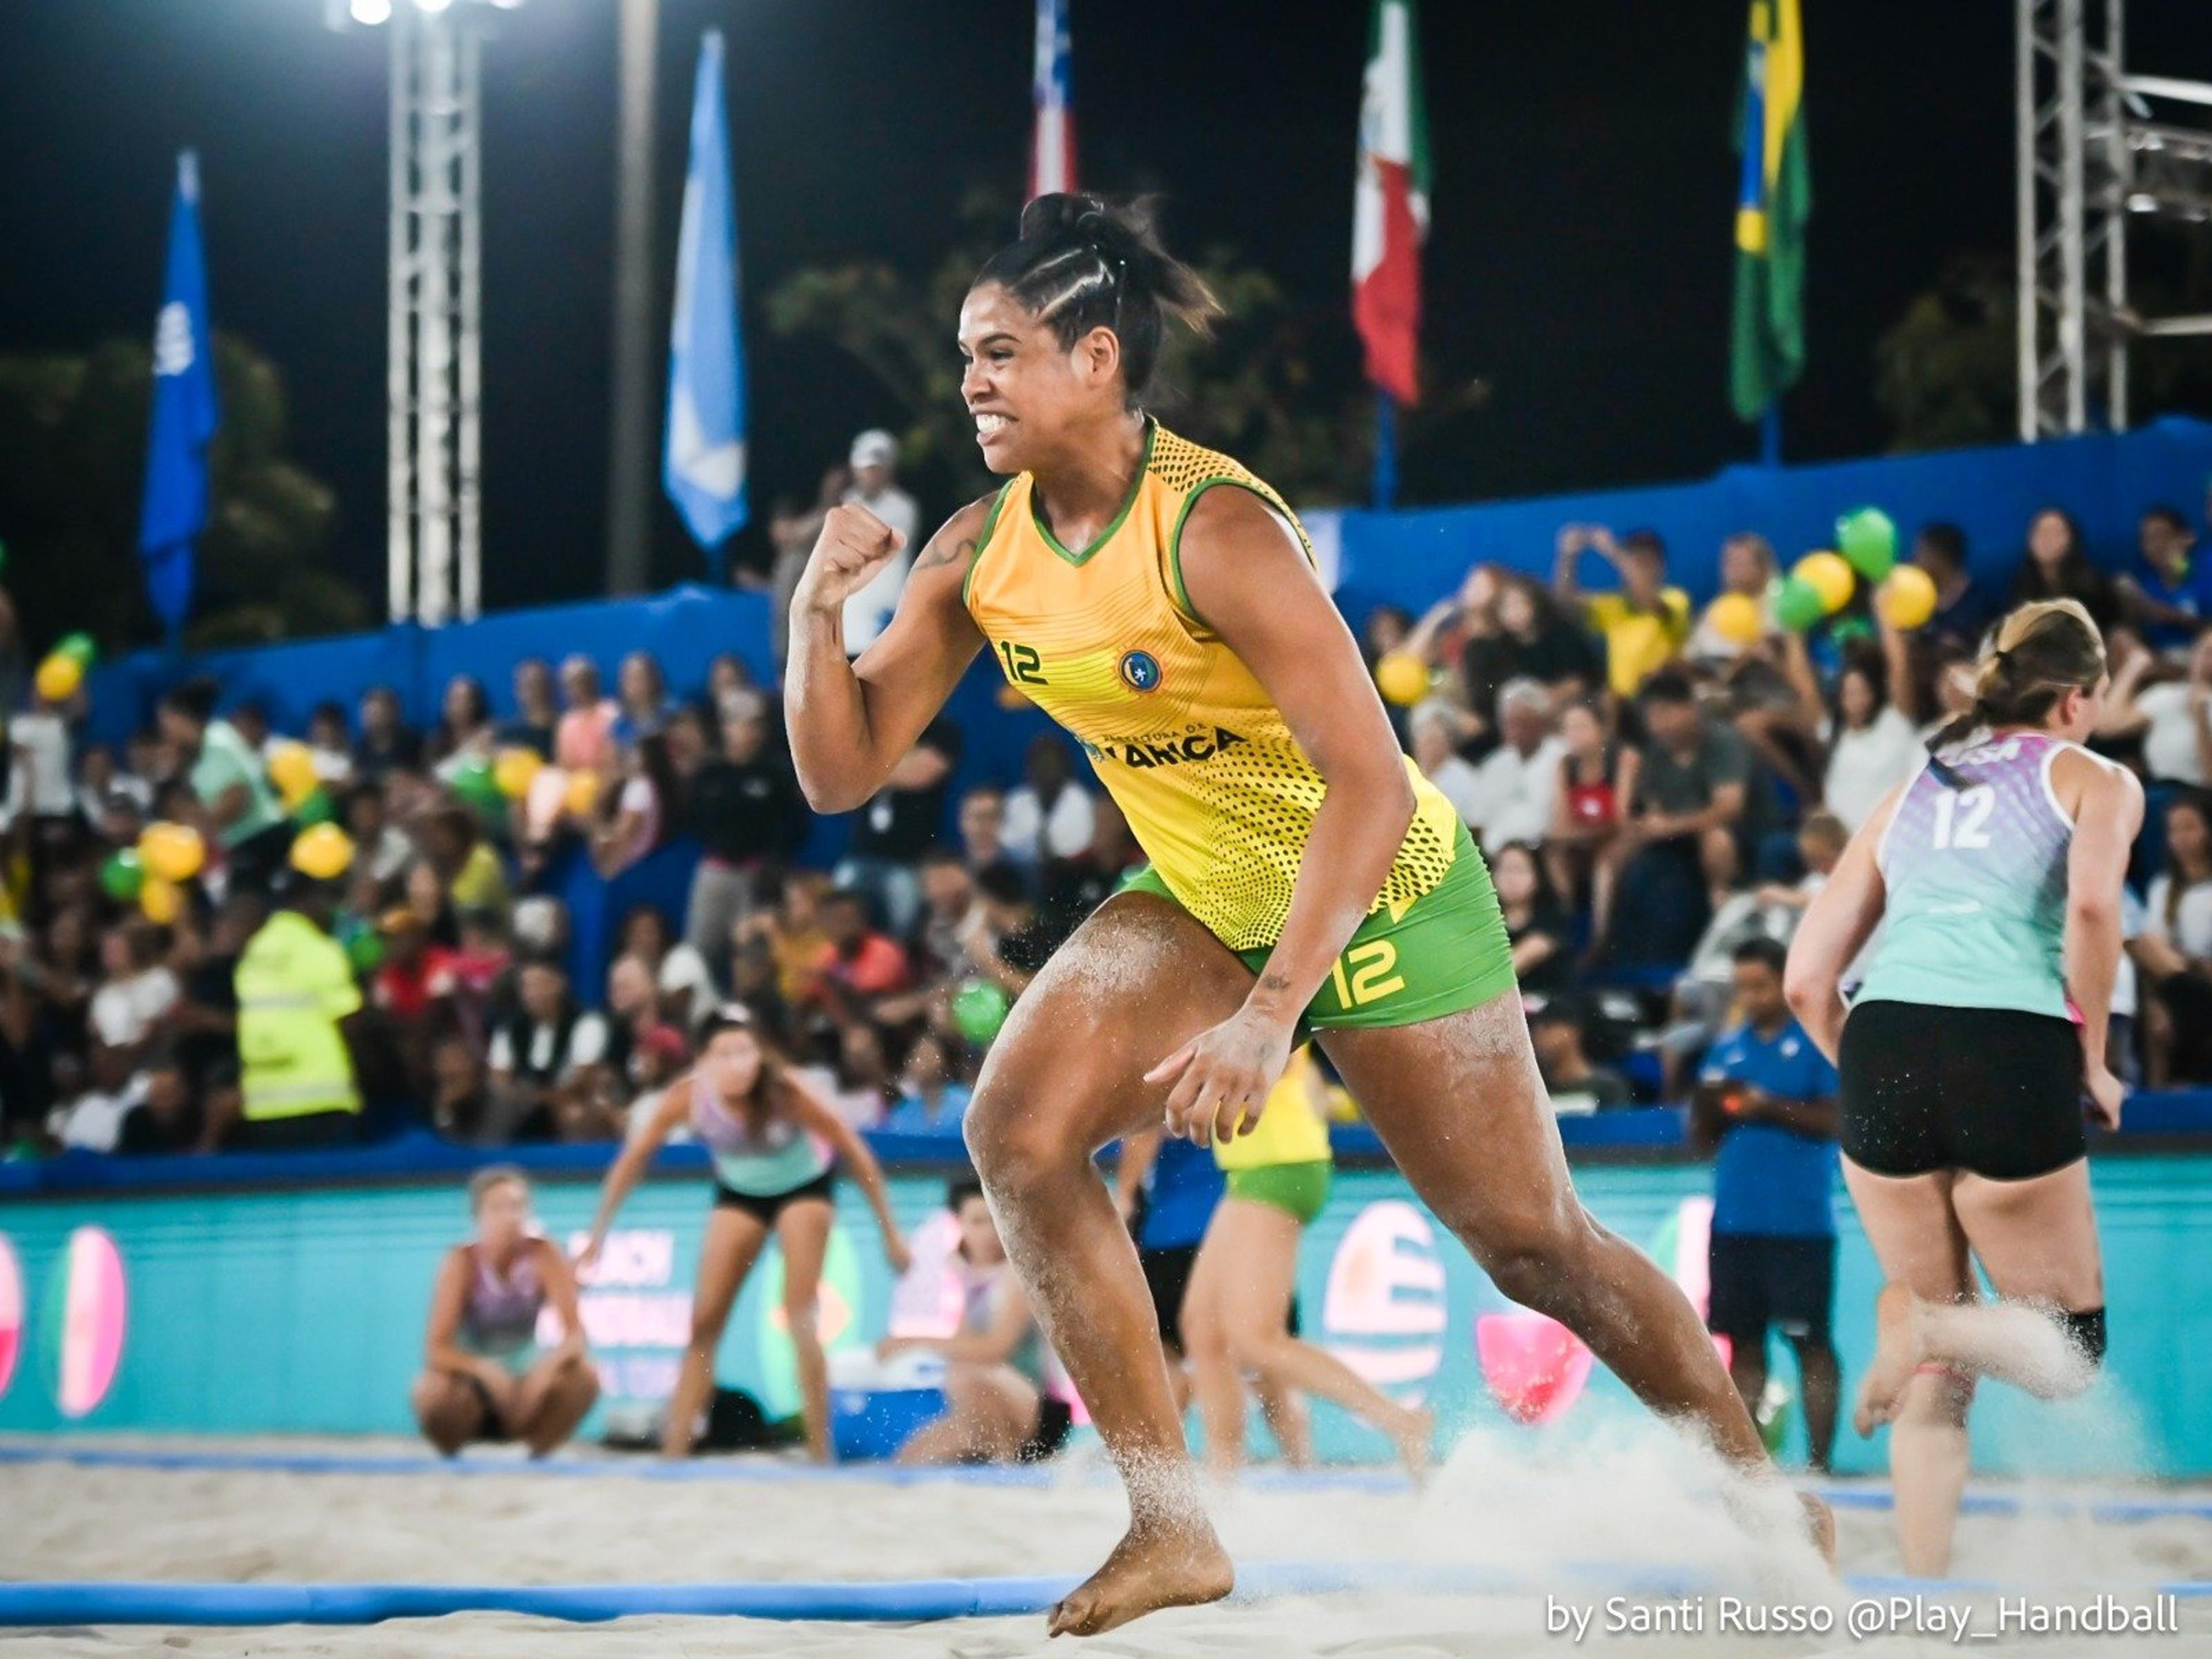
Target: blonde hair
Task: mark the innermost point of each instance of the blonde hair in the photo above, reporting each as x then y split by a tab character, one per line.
2035	657
491	1176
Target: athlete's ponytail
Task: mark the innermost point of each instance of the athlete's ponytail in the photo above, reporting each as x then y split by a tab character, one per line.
2037	654
1083	262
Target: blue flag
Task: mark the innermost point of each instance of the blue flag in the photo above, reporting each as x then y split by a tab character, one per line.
705	463
185	412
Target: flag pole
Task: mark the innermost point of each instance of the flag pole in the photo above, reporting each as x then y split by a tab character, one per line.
1770	434
1386	450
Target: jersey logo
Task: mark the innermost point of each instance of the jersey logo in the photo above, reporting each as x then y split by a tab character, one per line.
1140	670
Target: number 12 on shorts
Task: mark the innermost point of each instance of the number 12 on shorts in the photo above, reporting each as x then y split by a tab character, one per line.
1367	974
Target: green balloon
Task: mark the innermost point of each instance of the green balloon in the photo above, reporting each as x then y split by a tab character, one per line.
364	945
1797	604
122	878
475	785
314	808
1868	538
79	646
979	1009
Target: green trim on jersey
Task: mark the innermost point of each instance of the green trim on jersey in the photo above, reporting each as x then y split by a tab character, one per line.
1129	505
983	537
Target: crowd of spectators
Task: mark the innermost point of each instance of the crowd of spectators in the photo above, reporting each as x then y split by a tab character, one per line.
1652	792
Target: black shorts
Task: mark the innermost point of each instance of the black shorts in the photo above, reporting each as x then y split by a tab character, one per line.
1995	1091
764	1207
1054	1422
1763	1279
1167	1276
491	1428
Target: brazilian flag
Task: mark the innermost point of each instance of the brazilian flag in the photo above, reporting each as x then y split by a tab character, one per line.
1766	349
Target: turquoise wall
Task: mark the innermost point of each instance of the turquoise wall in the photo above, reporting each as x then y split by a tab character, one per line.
302	1312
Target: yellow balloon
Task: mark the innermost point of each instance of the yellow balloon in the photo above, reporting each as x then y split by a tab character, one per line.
1738	618
582	798
292	770
1403	678
161	902
1906	598
515	769
1830	575
172	852
58	678
322	852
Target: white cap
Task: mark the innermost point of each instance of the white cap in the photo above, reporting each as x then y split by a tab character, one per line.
874	447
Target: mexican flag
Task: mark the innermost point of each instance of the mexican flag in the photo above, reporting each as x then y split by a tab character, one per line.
1390	211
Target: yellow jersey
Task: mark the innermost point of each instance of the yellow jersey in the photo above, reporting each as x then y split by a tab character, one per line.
1290	1130
1192	750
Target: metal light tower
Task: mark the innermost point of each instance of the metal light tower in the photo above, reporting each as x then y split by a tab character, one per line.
434	364
432	369
2088	156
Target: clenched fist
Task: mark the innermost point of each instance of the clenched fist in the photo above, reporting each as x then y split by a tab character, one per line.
853	545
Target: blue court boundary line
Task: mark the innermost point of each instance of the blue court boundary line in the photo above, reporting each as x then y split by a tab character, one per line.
646	1466
913	1601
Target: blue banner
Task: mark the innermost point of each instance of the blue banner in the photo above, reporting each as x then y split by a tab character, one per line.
186	414
301	1309
705	462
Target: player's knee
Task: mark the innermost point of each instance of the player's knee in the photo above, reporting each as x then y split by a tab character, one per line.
1011	1143
580	1381
707	1330
799	1318
1530	1257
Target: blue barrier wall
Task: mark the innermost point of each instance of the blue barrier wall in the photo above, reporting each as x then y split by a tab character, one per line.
302	1310
1413	558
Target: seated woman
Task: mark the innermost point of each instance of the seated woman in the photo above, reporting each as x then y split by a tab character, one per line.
996	1409
484	1376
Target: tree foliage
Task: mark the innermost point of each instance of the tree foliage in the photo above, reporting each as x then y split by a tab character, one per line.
1276	386
1946	374
73	434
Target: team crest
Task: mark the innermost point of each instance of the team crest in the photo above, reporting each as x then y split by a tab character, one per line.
1140	670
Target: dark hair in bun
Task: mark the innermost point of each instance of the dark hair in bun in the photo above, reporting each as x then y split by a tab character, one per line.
1083	262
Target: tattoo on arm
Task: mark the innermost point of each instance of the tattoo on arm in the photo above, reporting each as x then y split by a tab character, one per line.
957	553
1275	982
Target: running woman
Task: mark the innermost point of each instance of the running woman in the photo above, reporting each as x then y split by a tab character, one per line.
484	1375
775	1145
1233	1317
1996	873
1160	602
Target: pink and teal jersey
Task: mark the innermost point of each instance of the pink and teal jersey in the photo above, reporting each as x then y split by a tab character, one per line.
1974	860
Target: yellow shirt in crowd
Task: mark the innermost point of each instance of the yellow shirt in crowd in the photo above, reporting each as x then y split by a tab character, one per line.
1638	643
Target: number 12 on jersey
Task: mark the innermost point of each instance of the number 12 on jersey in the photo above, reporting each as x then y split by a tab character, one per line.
1962	818
1023	666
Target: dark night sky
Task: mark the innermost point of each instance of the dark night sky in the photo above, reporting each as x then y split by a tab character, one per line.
1579	261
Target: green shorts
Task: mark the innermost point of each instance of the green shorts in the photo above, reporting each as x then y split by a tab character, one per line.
1299	1190
1446	952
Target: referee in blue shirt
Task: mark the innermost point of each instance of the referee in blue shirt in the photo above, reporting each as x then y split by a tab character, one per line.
1767	1101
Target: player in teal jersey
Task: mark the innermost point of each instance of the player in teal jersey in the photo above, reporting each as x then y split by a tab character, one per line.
1967	1055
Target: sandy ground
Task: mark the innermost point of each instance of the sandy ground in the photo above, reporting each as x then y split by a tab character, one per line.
1504	1504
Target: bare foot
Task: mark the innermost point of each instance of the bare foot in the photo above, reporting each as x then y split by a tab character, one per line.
1415	1431
1822	1521
1152	1567
1899	1350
